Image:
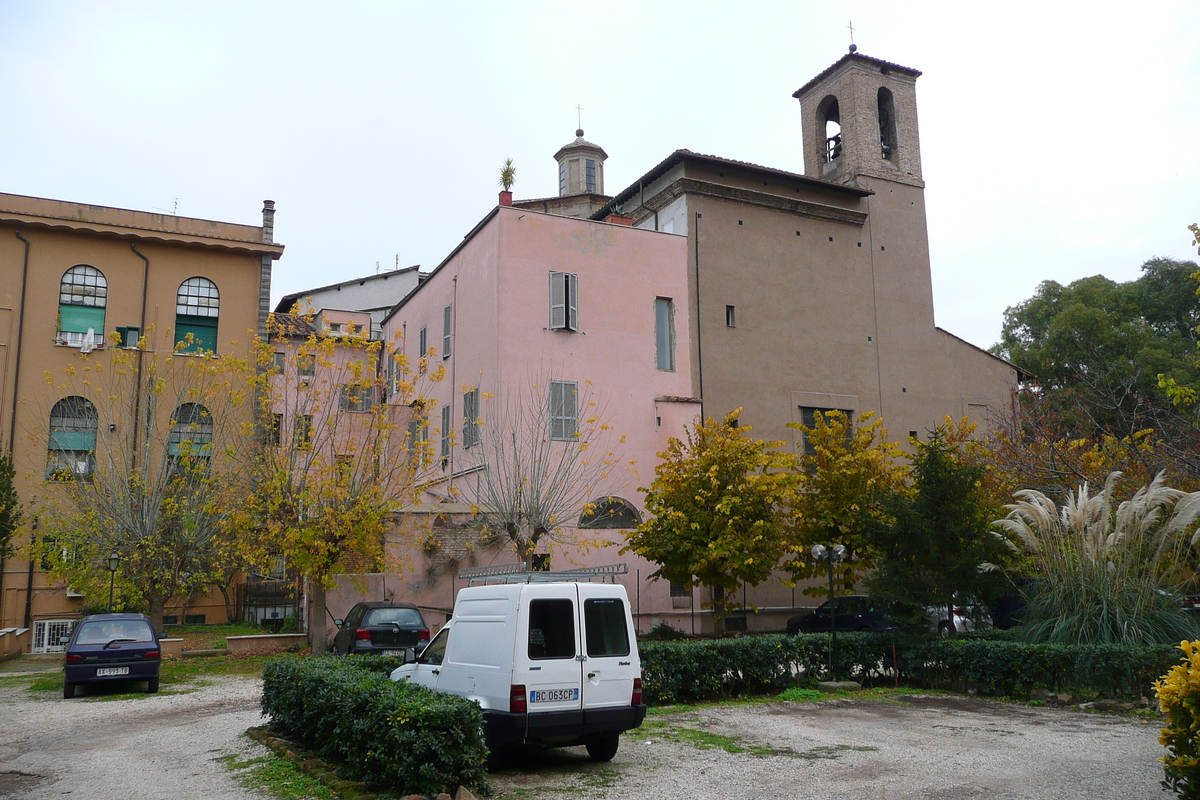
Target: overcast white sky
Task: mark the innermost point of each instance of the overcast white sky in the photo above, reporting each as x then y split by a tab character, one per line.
1059	139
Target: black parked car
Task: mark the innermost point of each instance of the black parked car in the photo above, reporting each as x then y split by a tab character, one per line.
855	612
111	647
381	628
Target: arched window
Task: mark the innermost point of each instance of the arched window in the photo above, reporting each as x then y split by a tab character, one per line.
72	446
887	124
197	306
189	445
610	512
82	298
831	125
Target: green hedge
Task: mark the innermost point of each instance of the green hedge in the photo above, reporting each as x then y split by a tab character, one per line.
684	671
394	735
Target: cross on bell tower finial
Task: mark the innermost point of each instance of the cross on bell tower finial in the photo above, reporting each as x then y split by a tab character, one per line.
579	120
853	46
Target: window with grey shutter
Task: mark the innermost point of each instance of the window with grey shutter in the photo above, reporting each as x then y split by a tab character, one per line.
664	334
447	327
445	431
471	418
564	301
423	340
564	410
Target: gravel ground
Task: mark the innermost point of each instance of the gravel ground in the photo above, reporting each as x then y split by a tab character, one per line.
147	748
926	747
932	748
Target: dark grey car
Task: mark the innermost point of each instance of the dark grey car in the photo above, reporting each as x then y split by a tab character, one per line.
381	628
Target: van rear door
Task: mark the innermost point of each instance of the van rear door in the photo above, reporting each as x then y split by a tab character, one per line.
611	663
551	655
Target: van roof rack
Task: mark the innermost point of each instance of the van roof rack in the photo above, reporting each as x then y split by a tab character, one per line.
516	573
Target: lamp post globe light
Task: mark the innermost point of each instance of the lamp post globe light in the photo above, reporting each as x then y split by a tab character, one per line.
114	563
831	556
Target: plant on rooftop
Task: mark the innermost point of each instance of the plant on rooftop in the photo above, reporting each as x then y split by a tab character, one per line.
508	175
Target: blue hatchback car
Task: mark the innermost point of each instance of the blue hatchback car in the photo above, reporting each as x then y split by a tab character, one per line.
112	647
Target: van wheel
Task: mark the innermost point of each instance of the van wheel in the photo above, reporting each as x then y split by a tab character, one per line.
944	629
68	690
603	748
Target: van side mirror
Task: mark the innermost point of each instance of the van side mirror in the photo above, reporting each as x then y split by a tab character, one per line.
338	622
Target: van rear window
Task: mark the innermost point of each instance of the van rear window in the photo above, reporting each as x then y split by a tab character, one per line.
551	629
607	633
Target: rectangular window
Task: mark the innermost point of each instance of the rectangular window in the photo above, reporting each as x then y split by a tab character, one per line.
302	434
75	321
564	301
664	334
471	418
277	362
203	331
730	319
391	371
306	365
273	430
564	410
423	343
418	435
808	418
445	431
590	175
606	630
562	179
355	397
447	329
551	629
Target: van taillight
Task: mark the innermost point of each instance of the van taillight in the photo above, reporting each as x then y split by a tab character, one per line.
362	633
423	635
636	700
74	658
152	655
516	699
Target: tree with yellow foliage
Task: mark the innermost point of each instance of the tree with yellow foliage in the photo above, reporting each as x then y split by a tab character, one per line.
717	510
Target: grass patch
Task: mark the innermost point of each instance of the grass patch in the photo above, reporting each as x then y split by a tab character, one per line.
278	777
798	695
209	637
176	676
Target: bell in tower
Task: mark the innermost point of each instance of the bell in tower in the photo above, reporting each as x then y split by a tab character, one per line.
860	119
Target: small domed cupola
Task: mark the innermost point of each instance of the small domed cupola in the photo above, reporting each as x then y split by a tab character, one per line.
580	167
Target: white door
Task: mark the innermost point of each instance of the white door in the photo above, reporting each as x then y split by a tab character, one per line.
609	647
429	663
550	652
48	632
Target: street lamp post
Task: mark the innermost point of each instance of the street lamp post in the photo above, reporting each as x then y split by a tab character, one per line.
114	563
830	556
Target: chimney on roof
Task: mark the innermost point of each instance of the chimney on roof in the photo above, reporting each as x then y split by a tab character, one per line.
268	226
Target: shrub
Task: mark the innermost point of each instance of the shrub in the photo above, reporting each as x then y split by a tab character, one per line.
388	734
712	669
1178	695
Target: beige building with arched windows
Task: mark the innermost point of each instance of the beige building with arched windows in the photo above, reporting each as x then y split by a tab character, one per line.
71	276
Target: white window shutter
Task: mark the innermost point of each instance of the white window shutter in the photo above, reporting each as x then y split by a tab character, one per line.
573	301
570	410
556	409
447	328
558	308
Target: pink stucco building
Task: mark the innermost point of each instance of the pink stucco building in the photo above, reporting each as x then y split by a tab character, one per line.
579	309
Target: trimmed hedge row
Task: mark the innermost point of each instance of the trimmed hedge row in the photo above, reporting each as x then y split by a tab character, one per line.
394	735
683	671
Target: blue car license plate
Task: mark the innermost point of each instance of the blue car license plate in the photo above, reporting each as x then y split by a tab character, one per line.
552	695
103	672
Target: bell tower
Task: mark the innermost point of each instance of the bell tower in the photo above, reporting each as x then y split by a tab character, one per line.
860	119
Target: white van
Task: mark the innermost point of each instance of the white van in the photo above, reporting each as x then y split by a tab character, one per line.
551	663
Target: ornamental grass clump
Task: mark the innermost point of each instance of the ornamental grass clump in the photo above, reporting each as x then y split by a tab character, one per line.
1178	695
1103	568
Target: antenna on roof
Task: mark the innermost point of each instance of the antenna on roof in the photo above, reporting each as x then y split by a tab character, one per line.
376	267
397	267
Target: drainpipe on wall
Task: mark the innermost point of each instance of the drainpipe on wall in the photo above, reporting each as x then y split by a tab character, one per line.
12	427
29	579
137	398
453	385
699	349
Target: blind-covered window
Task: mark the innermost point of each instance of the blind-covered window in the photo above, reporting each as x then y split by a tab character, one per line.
564	411
471	418
197	307
72	446
82	298
564	301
